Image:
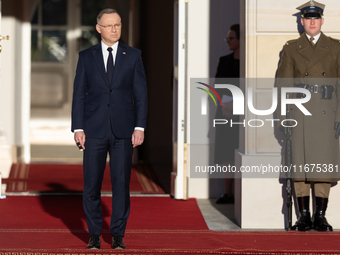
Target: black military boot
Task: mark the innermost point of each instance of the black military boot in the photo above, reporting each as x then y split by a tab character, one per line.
304	222
320	222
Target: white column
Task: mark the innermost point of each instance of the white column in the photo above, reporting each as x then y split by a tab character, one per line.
15	93
23	138
7	95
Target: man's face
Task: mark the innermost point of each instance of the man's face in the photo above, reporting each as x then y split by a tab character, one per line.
232	41
312	26
110	35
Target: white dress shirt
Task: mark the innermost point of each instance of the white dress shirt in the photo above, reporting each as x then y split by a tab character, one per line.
316	38
106	53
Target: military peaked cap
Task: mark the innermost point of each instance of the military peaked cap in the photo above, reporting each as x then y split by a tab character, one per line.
311	10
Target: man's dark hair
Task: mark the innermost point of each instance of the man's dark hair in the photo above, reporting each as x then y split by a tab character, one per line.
105	11
236	29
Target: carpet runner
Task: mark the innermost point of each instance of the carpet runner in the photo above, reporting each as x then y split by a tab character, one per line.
55	225
62	178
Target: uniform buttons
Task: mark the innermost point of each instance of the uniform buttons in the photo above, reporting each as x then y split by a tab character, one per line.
108	105
323	112
323	73
306	74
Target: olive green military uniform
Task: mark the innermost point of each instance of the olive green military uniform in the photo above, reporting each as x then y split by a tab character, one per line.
313	139
312	62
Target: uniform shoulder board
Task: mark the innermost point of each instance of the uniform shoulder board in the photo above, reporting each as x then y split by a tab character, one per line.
335	39
291	41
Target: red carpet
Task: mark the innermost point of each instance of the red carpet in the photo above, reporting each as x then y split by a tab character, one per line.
56	178
55	225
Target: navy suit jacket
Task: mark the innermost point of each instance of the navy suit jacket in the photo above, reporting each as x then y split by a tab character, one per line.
95	101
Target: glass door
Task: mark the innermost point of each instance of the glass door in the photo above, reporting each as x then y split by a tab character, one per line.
60	29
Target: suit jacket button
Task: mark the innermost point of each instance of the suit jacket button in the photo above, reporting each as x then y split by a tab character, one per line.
306	74
323	73
108	105
323	112
110	90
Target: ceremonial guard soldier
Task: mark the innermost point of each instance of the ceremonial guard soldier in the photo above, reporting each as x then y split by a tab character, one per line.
313	60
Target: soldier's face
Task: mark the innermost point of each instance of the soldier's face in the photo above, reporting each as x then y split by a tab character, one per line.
312	26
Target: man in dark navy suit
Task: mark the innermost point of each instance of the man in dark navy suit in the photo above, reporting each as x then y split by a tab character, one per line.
109	113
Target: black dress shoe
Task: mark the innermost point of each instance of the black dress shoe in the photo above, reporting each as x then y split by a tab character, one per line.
225	199
304	222
320	222
117	242
94	242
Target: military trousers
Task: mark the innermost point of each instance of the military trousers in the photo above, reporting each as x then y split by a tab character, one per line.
321	189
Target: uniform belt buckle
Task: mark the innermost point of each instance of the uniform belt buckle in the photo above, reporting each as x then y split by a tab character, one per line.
314	88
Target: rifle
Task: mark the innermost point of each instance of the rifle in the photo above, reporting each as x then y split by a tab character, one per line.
288	163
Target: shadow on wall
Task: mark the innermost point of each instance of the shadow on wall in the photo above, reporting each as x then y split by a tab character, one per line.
223	14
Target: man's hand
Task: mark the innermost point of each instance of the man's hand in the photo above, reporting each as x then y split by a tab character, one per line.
137	138
227	109
337	129
79	137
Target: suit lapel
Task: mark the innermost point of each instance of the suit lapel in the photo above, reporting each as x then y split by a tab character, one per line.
98	57
320	51
120	58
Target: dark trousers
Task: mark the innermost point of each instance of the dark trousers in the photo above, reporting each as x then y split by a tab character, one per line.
94	162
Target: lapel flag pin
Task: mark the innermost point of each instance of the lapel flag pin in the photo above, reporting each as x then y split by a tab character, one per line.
124	53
